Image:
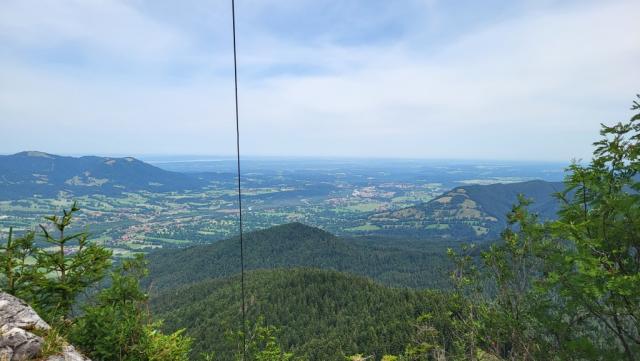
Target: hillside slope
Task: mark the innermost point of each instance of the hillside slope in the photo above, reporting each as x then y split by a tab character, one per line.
297	245
470	212
322	315
25	174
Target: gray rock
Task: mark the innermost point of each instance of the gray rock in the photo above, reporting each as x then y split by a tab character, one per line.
6	353
24	344
15	312
17	343
69	353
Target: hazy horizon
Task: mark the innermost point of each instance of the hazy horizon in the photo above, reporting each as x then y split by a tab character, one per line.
417	79
169	158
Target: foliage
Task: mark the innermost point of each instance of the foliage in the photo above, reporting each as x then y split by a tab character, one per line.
321	315
118	327
74	265
567	289
263	345
161	347
52	278
596	271
297	245
53	341
19	276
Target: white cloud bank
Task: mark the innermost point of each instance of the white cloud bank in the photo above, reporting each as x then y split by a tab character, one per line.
533	86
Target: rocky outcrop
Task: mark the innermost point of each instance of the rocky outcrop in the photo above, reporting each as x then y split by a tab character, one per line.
68	354
20	327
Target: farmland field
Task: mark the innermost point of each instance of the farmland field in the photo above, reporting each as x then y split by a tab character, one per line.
338	196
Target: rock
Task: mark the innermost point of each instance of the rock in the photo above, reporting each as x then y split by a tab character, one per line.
15	312
23	344
6	353
69	353
17	342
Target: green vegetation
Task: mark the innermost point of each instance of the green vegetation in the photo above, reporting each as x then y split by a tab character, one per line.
470	212
320	315
50	279
562	286
53	342
567	289
365	227
201	208
55	279
117	325
297	245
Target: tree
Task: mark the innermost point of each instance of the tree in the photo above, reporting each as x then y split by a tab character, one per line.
52	280
118	327
567	289
19	276
75	265
511	266
261	343
597	268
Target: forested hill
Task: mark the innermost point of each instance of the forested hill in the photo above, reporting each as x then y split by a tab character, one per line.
470	212
322	315
297	245
25	174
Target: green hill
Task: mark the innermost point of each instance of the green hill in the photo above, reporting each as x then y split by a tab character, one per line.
469	212
297	245
322	315
25	174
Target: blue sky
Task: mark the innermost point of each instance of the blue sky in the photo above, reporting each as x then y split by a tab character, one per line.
522	80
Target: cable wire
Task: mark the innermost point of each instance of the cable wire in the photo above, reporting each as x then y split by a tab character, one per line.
235	78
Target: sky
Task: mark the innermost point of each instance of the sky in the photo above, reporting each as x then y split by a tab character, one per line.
467	79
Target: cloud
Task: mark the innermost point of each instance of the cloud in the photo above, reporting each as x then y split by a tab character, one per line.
98	28
531	83
534	86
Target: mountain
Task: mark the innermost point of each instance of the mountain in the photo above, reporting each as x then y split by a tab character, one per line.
25	174
322	315
470	212
297	245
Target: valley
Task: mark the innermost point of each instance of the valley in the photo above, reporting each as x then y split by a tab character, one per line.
357	249
349	198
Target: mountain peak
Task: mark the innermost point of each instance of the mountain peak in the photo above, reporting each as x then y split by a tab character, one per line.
35	154
472	211
30	173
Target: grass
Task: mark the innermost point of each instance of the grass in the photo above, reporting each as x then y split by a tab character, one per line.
53	342
123	253
363	228
167	240
365	207
437	226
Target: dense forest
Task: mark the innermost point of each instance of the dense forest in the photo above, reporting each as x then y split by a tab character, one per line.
298	245
321	315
